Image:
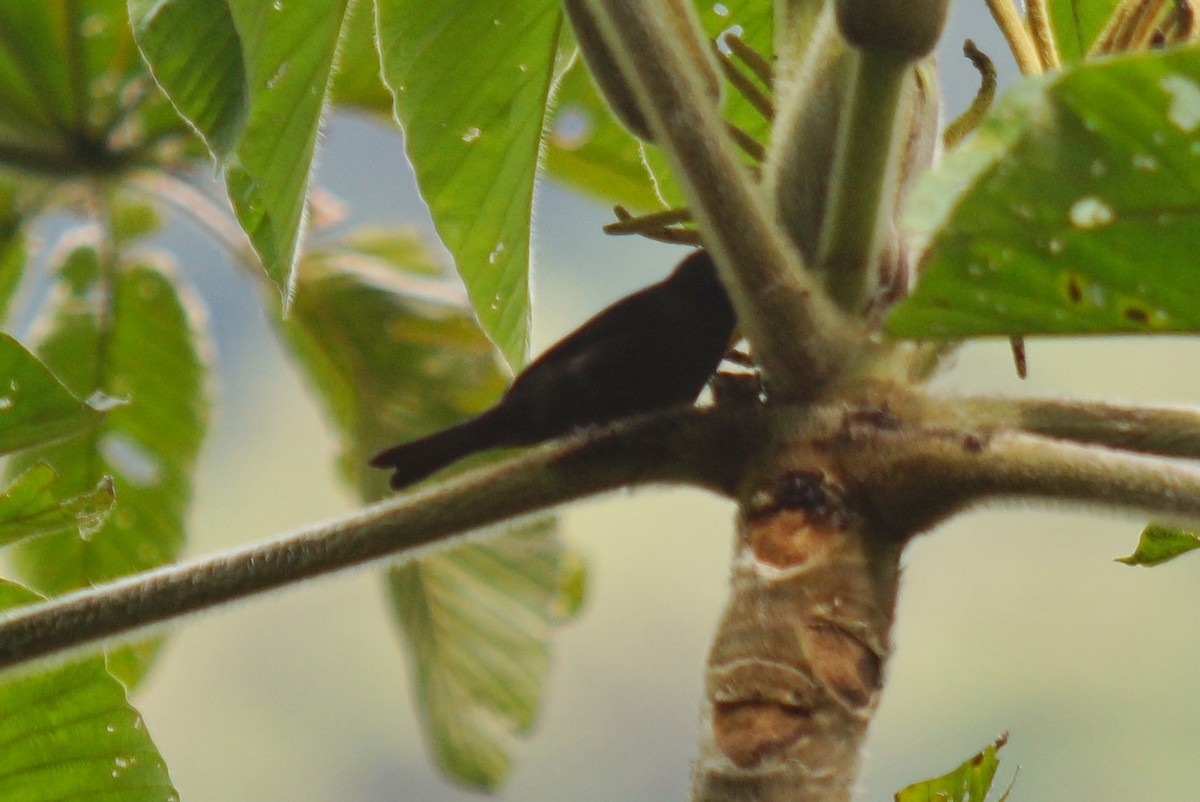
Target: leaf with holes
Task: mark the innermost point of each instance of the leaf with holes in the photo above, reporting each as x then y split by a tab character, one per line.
1071	211
69	733
122	328
471	80
30	507
253	77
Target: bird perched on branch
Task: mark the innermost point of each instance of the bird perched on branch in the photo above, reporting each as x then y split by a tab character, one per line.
654	349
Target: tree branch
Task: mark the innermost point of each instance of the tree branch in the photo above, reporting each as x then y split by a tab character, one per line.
923	477
1165	431
706	448
797	335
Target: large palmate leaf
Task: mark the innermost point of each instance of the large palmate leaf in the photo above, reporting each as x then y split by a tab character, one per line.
1071	211
70	734
390	348
121	328
74	93
471	79
253	77
35	407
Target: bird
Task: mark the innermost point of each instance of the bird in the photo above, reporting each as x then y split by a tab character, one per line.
651	350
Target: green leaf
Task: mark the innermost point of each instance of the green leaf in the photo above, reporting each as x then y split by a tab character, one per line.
35	407
970	782
13	252
1070	211
753	20
357	82
393	355
1077	23
253	77
74	93
194	52
1160	544
122	329
131	219
590	151
70	734
471	80
30	507
477	621
388	348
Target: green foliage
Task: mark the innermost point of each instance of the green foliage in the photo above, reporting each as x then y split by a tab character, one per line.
589	150
195	54
1069	211
253	77
75	93
388	347
1160	544
35	407
472	130
69	733
118	327
12	245
477	621
753	21
1077	23
393	355
29	507
970	782
357	82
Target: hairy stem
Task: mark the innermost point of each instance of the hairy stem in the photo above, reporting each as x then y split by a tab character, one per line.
1038	16
863	179
924	478
704	448
1165	431
797	335
1019	41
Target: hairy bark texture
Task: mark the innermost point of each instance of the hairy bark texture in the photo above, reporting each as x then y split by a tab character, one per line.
797	665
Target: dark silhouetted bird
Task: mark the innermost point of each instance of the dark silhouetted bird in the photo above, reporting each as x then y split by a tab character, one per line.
651	350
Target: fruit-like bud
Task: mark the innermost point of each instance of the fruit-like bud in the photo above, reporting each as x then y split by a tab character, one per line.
907	28
607	72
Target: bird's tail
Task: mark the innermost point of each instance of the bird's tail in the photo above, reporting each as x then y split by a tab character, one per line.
411	462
